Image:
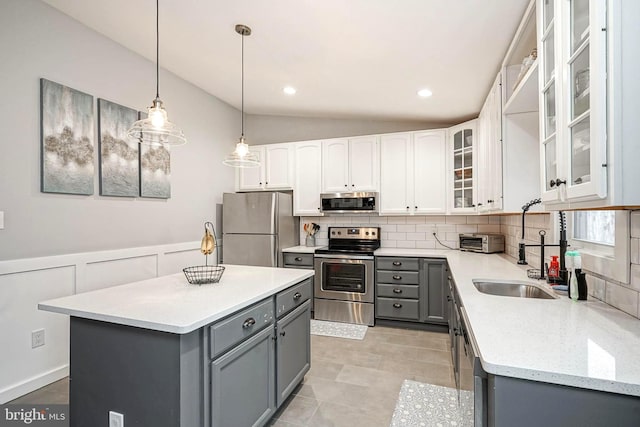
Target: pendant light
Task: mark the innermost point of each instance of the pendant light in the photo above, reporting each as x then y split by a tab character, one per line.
241	157
156	129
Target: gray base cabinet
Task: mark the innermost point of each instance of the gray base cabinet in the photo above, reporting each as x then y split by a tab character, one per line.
293	353
243	383
412	289
524	403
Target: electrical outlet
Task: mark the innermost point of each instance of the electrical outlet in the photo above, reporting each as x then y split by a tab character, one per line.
116	419
37	338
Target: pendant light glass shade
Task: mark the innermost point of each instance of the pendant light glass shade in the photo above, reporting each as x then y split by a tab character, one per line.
156	129
241	157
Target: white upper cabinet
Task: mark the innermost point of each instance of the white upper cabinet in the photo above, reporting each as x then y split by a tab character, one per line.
308	178
335	165
462	159
350	164
278	166
589	71
252	179
395	156
275	171
429	184
489	150
413	173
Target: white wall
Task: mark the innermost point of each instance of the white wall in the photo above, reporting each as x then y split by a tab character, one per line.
264	129
108	241
38	41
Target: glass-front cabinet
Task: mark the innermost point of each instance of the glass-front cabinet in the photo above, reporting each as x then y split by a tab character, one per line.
462	148
573	99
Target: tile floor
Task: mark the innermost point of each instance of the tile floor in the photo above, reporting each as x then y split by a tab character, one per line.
351	382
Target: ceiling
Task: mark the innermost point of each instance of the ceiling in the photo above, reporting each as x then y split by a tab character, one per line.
346	58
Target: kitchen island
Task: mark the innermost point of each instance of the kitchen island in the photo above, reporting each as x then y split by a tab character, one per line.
163	352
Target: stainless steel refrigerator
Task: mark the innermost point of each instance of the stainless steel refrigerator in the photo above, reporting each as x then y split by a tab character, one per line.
257	226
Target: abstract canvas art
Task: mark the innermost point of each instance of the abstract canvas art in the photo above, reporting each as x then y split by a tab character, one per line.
119	158
67	139
155	170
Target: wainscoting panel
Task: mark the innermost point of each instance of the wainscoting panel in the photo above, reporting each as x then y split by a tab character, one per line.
26	282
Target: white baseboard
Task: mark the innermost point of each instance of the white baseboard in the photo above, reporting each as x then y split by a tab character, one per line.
20	389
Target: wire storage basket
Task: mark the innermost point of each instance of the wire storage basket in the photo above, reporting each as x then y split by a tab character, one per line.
203	274
535	273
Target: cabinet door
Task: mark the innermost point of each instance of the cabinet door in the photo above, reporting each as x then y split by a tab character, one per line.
363	164
308	174
434	291
243	383
394	158
429	172
335	165
495	200
252	178
293	350
278	166
462	141
584	118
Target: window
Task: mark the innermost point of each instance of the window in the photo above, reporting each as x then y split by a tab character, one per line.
598	227
602	237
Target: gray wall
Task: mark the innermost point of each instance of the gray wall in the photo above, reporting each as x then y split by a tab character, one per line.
264	129
38	41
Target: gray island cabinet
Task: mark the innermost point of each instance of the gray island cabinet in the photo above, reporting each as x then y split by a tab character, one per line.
163	359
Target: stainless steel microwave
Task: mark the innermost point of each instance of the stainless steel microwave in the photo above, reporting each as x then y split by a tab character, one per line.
482	242
340	203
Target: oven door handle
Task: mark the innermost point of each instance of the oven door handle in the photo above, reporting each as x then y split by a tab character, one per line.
343	257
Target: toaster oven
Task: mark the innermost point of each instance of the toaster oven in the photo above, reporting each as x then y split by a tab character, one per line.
482	242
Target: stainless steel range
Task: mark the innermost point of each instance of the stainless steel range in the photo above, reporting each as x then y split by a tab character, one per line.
344	275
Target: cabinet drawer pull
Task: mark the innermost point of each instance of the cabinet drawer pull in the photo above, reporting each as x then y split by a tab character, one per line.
397	291
248	323
449	298
397	263
397	305
298	258
396	277
297	296
283	333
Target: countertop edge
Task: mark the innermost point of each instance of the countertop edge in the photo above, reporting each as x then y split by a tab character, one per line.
175	329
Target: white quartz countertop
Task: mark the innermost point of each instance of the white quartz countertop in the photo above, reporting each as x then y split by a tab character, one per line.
171	304
303	249
585	344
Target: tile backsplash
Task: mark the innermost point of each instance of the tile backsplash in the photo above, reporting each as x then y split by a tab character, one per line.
408	231
417	232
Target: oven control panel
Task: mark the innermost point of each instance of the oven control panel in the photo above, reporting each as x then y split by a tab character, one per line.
366	233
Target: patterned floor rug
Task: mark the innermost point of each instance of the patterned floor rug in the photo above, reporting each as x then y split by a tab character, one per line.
337	329
427	405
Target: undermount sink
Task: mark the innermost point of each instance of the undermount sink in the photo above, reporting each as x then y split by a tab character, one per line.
512	288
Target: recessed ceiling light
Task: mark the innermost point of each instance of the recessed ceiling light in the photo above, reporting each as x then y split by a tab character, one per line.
425	93
289	90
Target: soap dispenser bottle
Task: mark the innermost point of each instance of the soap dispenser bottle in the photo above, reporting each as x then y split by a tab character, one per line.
573	280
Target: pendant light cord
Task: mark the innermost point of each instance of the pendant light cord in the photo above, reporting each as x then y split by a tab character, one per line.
242	82
157	49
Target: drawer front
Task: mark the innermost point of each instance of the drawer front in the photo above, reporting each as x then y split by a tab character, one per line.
398	291
297	260
397	308
227	333
400	277
290	298
386	263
